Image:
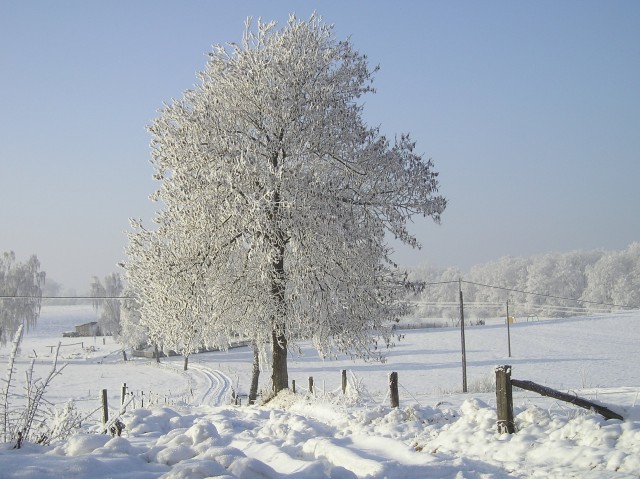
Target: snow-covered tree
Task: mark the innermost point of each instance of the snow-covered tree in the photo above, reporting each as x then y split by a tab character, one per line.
20	294
107	302
133	333
556	276
615	278
278	201
508	272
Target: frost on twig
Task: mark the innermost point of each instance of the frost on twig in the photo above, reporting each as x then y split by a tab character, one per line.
27	420
7	386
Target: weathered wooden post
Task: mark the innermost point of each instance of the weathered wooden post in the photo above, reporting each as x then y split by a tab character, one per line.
344	381
393	387
123	393
310	384
293	385
504	400
105	407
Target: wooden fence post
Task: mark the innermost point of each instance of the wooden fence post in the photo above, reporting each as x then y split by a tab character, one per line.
293	385
504	400
344	381
310	384
105	407
393	386
124	393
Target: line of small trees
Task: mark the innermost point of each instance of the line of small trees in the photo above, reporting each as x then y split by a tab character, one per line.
595	279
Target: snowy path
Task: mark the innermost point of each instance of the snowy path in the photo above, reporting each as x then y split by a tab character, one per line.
217	386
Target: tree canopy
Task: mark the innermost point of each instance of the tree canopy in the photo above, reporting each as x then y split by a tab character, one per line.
278	201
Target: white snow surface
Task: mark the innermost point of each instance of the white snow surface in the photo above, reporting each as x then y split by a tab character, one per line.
188	428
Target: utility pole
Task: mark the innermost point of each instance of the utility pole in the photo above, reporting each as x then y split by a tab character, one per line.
464	349
508	329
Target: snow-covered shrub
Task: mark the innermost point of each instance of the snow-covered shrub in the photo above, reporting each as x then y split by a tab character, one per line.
60	423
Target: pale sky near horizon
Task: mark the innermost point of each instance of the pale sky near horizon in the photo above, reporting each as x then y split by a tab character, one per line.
529	110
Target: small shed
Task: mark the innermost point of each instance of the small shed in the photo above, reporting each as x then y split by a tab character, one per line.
89	329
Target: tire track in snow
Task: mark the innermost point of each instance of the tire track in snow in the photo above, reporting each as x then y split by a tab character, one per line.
218	386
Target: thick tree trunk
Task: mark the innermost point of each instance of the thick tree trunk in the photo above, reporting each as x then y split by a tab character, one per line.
279	376
255	375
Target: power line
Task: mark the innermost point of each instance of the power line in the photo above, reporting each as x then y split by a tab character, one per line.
64	297
413	284
548	295
422	284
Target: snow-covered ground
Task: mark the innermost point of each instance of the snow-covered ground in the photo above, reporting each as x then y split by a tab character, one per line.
189	429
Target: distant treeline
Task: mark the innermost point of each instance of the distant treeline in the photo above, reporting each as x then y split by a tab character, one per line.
594	281
55	294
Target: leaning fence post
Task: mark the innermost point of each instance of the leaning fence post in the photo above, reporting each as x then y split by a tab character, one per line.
393	386
504	400
105	407
344	381
310	384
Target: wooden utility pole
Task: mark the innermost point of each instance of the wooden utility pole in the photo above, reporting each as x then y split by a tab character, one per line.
462	339
508	329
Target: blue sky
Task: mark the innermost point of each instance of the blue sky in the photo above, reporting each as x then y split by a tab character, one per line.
530	111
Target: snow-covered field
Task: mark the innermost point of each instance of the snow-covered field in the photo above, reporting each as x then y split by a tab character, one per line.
191	430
